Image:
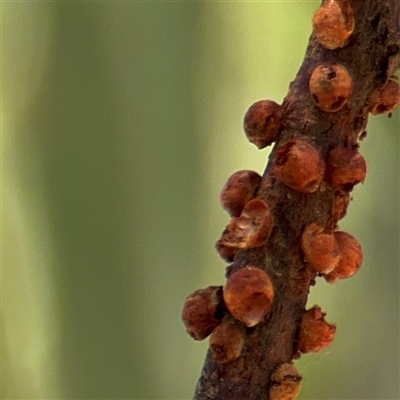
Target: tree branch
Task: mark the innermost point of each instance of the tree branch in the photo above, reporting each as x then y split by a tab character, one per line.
302	195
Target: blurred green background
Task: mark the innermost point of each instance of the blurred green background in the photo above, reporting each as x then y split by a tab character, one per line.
121	122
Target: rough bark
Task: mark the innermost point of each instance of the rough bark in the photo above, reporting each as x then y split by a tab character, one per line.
371	56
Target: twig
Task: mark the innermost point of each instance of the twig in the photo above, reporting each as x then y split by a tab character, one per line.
283	229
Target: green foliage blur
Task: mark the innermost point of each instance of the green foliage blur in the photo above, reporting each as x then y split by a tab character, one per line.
121	121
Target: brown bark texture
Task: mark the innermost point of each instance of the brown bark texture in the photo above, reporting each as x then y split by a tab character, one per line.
371	56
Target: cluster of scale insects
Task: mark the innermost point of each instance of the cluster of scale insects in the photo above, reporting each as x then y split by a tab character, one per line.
248	293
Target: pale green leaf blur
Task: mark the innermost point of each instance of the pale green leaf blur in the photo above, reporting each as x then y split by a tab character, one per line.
120	123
